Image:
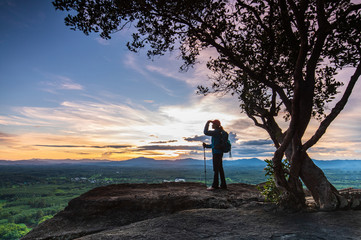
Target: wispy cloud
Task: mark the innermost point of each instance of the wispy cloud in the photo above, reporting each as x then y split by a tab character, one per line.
102	41
7	139
161	142
114	125
133	63
58	82
169	67
67	84
168	147
105	127
83	146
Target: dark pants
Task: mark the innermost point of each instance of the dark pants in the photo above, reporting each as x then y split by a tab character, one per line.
218	170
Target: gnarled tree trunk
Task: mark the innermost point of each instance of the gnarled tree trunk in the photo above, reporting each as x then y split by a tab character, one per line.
323	192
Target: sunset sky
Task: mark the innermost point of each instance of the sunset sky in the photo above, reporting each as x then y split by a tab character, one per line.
67	95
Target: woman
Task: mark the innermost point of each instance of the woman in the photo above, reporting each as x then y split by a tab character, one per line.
216	152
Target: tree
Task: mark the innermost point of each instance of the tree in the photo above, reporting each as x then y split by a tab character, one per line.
279	57
10	231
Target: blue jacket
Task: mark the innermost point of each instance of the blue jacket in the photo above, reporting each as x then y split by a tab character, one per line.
216	138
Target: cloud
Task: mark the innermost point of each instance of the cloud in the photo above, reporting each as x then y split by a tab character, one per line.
253	152
169	67
84	124
82	146
245	130
58	82
326	150
258	142
114	146
161	142
102	41
253	148
167	147
7	139
111	122
79	153
109	154
88	117
5	135
131	62
203	138
232	137
196	138
69	85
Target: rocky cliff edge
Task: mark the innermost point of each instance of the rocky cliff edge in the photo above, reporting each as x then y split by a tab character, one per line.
188	211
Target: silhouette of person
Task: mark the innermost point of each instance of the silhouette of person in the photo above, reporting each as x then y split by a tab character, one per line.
217	154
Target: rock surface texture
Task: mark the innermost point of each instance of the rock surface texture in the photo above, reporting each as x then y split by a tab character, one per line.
188	211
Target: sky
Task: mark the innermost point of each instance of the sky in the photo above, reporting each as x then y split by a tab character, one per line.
65	95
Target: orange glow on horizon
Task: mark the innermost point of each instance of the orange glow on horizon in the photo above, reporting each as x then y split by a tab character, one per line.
85	152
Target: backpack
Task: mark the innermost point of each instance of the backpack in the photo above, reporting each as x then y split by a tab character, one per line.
225	143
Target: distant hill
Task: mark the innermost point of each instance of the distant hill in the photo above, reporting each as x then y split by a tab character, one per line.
346	165
189	162
339	164
140	162
51	162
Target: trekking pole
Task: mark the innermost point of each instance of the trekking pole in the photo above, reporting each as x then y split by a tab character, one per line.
205	169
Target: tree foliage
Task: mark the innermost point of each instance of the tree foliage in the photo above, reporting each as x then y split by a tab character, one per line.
269	189
263	46
279	57
12	231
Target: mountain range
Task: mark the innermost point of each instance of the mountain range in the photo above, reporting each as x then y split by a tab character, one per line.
188	162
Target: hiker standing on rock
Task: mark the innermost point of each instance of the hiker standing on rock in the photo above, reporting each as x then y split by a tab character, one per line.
216	152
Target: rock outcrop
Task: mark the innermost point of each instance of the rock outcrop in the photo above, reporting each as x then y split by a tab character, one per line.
188	211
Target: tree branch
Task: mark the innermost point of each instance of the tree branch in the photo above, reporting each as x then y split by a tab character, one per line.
255	13
308	85
287	23
334	112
